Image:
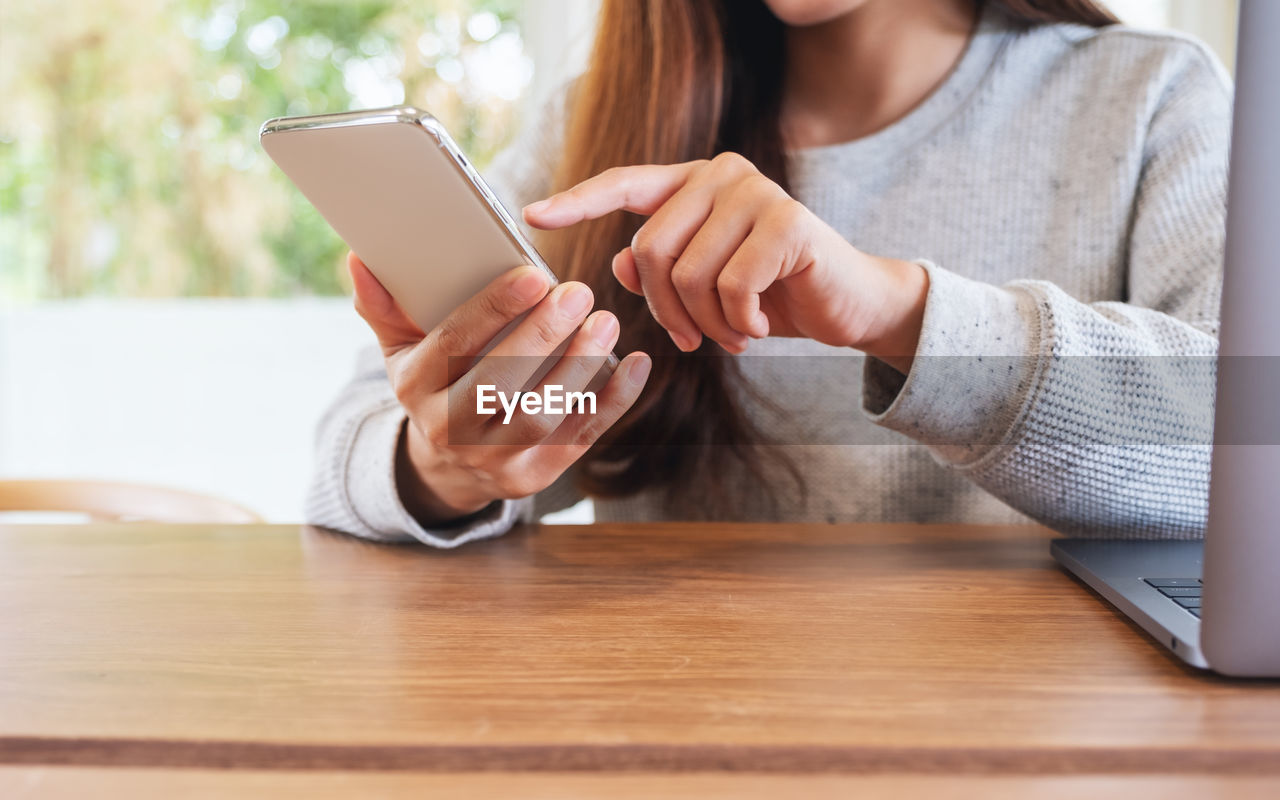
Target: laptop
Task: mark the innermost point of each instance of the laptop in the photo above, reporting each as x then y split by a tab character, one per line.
1216	603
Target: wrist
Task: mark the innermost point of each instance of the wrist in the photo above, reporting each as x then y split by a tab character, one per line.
423	489
896	335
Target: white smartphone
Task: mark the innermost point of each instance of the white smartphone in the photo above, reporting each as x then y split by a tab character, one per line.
402	195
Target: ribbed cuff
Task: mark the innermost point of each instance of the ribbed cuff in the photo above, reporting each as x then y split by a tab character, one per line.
973	372
375	499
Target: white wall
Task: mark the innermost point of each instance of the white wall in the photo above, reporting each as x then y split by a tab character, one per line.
217	396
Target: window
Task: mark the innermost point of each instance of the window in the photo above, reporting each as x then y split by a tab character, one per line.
129	162
1214	21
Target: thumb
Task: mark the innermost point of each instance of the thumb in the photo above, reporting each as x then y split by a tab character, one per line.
394	329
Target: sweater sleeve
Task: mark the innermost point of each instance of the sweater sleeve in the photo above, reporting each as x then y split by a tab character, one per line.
353	486
1093	418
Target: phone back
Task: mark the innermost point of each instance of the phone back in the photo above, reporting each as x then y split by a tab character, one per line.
402	196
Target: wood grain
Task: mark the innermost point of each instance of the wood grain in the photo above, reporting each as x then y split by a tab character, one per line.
645	648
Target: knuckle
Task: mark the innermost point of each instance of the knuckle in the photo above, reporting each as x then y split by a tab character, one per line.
533	428
642	241
546	332
402	386
730	161
731	286
406	376
450	340
786	213
758	185
701	167
594	428
494	304
657	254
584	437
646	247
685	278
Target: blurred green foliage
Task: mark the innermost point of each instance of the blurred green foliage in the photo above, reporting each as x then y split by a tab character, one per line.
129	162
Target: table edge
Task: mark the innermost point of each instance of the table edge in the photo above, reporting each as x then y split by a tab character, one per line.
634	757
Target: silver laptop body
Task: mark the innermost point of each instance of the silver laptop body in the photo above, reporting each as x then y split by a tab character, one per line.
1216	604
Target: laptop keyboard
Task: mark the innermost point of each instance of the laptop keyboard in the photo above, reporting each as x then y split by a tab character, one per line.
1183	591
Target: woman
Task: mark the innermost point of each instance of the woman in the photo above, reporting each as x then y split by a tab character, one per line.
1013	208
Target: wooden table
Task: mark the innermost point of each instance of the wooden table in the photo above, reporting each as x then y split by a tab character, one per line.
675	659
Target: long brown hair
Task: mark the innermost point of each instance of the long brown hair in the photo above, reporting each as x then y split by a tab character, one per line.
671	81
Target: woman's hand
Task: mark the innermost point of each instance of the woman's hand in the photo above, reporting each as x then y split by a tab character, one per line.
728	254
453	461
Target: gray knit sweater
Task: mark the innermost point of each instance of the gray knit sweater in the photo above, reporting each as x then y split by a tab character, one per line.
1065	189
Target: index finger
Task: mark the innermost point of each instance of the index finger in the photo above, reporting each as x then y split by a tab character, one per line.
640	190
475	323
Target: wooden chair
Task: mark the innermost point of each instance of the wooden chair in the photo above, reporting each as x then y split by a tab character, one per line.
105	501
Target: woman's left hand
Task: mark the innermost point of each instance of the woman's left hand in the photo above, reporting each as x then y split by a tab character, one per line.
728	254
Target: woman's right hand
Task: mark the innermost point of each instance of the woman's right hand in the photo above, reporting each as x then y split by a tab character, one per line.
452	461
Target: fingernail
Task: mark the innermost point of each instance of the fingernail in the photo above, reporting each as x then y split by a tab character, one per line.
574	301
683	342
541	205
530	286
638	373
601	327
